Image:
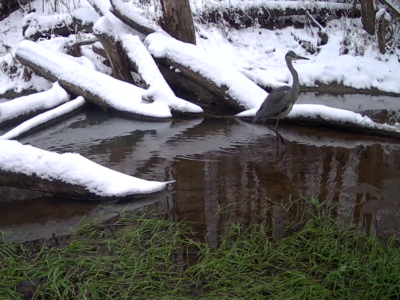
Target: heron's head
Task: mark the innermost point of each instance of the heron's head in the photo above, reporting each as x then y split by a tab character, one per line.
293	56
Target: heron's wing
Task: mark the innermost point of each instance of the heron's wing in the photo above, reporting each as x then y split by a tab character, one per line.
276	102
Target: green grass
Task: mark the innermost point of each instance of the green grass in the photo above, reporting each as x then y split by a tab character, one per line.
142	256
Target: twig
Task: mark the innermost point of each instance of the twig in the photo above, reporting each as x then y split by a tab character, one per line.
316	22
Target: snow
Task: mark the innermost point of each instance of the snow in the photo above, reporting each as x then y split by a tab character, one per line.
383	13
42	23
119	95
86	15
259	54
16	81
44	118
147	68
74	169
392	6
134	15
208	65
109	23
35	102
314	111
281	5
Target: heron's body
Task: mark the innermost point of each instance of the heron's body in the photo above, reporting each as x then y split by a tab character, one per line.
279	102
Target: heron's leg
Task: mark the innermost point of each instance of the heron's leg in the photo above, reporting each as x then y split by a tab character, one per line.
277	133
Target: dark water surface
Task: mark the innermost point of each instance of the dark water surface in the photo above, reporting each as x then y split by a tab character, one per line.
220	161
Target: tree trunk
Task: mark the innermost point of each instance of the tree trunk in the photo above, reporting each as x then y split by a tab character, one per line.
382	35
368	16
178	20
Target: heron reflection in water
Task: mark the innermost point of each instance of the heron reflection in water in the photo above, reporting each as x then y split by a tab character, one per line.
279	102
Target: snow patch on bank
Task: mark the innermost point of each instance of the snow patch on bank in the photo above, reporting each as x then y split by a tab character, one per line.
44	118
259	54
74	169
35	102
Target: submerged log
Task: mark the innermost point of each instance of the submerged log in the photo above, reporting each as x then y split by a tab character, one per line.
275	14
324	116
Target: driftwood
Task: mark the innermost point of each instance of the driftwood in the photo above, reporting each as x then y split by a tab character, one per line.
271	16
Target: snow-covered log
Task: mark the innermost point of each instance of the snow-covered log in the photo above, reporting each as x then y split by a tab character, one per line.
132	18
96	87
143	64
84	18
227	86
113	49
272	14
37	26
321	115
26	107
66	175
45	119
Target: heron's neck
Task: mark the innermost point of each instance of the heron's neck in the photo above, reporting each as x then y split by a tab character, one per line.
295	84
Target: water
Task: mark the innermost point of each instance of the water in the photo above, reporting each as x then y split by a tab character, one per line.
221	161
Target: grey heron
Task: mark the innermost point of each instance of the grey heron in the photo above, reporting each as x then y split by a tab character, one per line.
279	102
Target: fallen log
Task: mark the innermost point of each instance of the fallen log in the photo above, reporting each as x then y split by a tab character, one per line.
114	51
45	119
324	116
131	18
36	26
228	86
273	14
67	175
28	106
84	19
96	87
143	64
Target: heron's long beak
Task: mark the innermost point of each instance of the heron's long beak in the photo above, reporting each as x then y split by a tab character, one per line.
301	57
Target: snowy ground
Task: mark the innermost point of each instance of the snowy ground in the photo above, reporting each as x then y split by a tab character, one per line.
259	53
